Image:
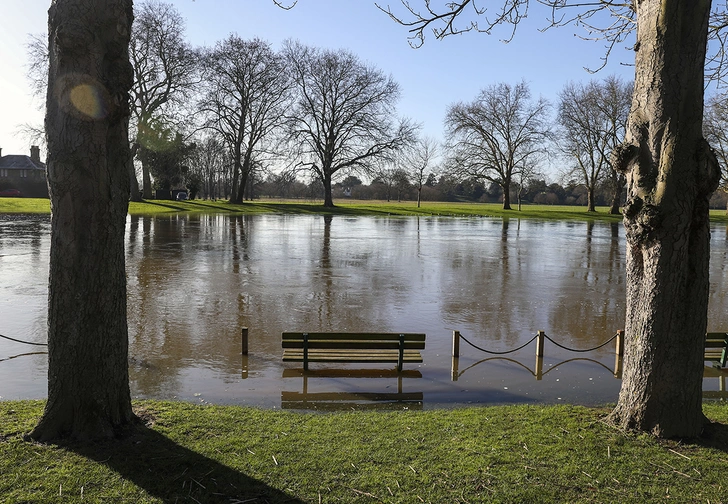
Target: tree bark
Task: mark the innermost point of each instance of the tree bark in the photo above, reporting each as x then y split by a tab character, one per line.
506	194
87	113
671	173
236	196
614	206
590	203
146	181
134	194
617	182
328	199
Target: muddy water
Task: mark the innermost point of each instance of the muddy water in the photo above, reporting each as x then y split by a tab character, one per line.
195	282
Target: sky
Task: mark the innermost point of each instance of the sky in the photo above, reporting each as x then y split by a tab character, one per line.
438	74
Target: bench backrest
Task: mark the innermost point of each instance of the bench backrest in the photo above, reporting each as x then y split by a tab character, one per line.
363	341
716	340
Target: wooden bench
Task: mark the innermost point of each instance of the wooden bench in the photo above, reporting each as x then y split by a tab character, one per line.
716	348
397	348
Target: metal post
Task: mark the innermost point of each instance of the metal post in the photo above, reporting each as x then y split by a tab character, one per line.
539	343
455	372
244	373
456	343
620	343
245	341
539	368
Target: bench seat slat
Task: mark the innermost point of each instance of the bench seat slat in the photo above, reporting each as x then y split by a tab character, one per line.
344	356
716	348
353	344
359	336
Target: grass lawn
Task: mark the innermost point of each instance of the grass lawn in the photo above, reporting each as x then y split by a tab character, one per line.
193	453
344	207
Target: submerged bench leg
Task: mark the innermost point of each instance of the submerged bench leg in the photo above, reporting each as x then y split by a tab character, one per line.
305	351
400	361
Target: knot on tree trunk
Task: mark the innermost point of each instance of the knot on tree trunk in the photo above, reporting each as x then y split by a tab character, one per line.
643	218
708	176
624	156
73	38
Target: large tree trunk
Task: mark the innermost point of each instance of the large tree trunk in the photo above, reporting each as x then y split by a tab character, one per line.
506	194
617	182
590	203
135	195
87	114
671	173
146	182
244	173
146	178
242	186
237	170
328	199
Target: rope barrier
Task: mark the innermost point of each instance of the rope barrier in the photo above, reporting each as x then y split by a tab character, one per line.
551	368
498	353
580	350
507	359
23	355
531	341
21	341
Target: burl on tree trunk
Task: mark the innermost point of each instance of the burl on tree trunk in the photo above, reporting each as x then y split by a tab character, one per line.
88	176
671	172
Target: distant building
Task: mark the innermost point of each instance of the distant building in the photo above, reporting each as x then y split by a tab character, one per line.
25	173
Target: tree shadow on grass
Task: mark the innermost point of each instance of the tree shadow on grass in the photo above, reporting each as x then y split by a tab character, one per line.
175	474
715	435
168	204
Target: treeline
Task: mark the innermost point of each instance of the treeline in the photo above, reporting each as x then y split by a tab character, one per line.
443	188
241	120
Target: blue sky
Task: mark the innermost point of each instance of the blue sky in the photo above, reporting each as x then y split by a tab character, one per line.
432	77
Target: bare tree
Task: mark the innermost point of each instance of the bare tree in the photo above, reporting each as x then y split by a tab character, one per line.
715	129
497	135
418	162
165	73
344	116
593	117
33	134
245	96
385	172
37	64
617	102
671	173
526	174
209	159
87	115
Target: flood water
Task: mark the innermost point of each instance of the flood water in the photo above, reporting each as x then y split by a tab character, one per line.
195	282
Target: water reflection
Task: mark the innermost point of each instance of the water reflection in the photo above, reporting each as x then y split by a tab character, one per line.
349	394
195	281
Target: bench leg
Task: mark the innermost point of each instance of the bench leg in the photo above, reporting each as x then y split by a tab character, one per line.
400	361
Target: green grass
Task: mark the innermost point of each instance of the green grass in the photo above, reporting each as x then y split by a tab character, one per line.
25	206
192	453
345	207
